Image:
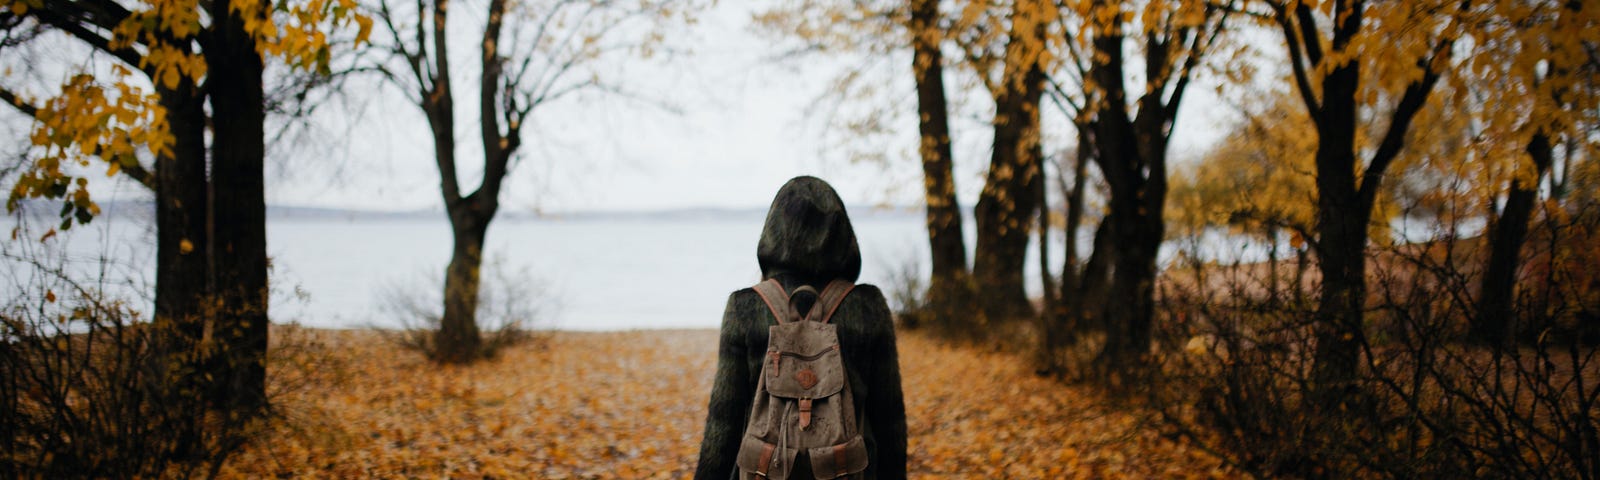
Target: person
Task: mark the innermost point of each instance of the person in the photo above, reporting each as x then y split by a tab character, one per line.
808	241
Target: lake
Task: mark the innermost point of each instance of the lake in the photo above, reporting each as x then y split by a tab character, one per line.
596	272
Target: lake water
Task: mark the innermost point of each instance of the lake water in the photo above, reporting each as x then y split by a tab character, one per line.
598	273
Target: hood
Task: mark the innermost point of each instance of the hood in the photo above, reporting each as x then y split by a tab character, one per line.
808	234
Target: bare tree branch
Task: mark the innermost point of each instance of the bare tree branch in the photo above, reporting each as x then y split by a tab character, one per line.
1298	60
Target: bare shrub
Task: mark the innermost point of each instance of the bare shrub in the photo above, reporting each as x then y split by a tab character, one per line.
1235	375
90	389
908	290
511	305
948	309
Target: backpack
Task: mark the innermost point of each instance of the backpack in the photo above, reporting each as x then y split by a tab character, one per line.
803	419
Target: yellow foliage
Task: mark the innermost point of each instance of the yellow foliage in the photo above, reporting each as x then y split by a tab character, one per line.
1260	175
89	121
114	119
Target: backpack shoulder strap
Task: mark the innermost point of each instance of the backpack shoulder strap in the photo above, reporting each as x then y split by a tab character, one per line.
777	300
832	296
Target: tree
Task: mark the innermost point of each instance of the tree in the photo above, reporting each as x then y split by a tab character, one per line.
1068	313
945	239
536	66
1544	63
1009	198
1130	139
1343	56
238	203
211	229
1071	312
880	29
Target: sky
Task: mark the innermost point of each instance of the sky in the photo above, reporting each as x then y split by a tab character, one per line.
721	122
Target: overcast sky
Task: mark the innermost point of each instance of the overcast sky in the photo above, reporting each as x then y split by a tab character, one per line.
722	124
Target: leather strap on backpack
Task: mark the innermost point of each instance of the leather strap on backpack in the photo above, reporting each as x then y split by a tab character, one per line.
832	296
777	300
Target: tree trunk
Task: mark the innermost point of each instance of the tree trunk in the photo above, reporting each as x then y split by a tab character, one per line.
1006	205
182	236
1063	319
239	216
1301	264
458	339
1095	280
1132	157
1344	202
1342	218
948	247
183	276
1131	150
1048	286
1137	234
1342	263
1493	323
1274	287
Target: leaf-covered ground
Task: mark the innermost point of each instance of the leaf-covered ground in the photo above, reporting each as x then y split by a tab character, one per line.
631	405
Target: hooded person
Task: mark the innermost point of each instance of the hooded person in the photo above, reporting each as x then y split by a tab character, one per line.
808	241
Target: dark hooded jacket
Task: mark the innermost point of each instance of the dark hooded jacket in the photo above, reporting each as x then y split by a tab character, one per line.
808	240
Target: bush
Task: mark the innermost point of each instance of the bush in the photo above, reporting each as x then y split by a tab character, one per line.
511	303
1235	373
89	389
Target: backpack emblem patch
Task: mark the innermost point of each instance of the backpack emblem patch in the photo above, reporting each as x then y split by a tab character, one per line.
807	378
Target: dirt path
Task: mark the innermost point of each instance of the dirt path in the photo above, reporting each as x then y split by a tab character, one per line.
631	405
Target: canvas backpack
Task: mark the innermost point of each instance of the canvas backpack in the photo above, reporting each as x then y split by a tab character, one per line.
803	422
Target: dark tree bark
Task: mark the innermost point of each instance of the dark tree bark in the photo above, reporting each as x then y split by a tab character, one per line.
943	211
1065	317
183	262
1095	280
1493	324
1138	194
1274	285
1344	203
238	153
1071	277
183	267
1046	282
1006	205
1131	151
459	339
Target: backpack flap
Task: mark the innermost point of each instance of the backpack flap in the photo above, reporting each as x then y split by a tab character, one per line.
803	361
836	461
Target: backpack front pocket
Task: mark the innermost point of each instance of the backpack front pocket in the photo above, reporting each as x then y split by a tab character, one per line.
763	459
836	461
804	365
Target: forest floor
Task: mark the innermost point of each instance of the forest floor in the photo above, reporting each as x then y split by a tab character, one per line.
632	405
